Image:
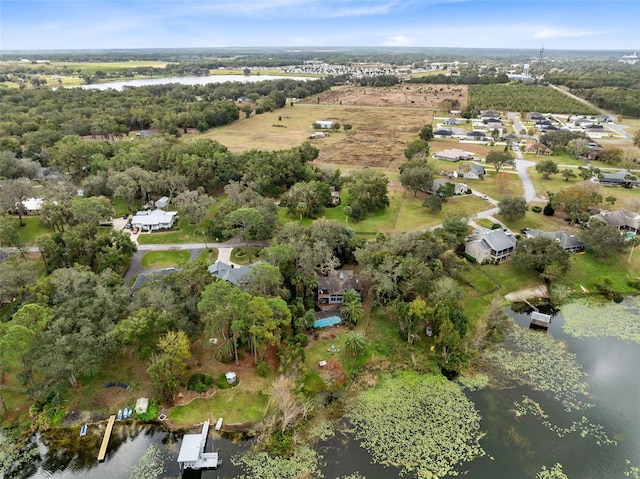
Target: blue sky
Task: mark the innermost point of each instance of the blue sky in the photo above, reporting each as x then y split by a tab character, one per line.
97	24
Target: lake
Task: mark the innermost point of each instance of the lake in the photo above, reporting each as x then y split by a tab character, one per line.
189	80
591	443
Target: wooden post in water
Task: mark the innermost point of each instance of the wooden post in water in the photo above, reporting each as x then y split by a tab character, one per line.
105	439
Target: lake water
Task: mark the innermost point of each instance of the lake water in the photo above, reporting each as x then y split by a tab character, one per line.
189	80
516	447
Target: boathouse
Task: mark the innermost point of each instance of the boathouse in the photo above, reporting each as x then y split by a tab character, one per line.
541	320
192	453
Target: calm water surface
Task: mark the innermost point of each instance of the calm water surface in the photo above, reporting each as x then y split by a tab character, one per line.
189	80
516	448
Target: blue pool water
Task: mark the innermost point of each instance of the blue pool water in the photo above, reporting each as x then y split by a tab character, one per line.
330	321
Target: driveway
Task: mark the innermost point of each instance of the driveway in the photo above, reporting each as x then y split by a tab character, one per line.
527	184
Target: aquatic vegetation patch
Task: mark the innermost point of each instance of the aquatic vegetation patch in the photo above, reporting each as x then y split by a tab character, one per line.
593	319
322	431
355	475
418	423
554	473
634	471
530	357
266	466
150	465
473	383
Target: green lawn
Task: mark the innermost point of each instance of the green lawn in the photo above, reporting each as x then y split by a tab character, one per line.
538	221
233	405
32	229
185	233
588	271
165	259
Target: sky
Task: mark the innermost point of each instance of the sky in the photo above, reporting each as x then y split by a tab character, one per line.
112	24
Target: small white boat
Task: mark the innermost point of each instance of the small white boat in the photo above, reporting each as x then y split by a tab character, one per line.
83	430
125	414
119	417
219	424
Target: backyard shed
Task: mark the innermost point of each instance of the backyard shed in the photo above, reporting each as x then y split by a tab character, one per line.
231	377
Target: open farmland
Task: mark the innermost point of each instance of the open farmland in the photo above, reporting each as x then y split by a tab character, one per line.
406	96
525	98
384	120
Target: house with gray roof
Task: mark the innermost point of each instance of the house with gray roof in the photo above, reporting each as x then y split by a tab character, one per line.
231	273
490	246
619	178
454	154
458	188
470	171
331	288
569	242
624	220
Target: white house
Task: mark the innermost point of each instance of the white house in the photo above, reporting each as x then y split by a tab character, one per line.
154	220
32	205
452	121
470	171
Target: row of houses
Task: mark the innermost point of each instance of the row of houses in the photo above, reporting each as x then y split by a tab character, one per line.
495	246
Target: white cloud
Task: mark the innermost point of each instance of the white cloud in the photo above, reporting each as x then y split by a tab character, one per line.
555	32
397	41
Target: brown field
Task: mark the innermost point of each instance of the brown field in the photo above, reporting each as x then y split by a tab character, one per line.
404	96
384	120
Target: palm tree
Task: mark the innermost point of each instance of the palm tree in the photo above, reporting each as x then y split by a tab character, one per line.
350	295
353	310
355	344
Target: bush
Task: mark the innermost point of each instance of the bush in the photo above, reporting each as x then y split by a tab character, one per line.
469	257
495	226
152	412
536	209
222	382
199	382
548	210
301	339
262	369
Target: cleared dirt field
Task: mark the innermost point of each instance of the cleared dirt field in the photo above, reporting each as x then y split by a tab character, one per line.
384	121
405	96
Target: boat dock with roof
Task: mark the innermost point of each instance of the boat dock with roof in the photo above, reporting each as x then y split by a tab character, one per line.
192	453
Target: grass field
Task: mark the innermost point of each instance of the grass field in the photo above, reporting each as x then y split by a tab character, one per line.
236	405
185	233
626	198
32	229
165	259
378	136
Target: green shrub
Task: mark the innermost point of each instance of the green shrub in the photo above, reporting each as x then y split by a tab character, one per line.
262	369
302	339
536	209
495	226
222	382
469	257
199	382
151	414
548	210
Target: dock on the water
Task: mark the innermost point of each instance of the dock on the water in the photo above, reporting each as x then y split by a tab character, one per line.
192	453
540	320
105	439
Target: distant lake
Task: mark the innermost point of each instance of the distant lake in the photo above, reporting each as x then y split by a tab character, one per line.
190	80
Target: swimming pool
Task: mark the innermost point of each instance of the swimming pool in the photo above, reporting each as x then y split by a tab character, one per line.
325	322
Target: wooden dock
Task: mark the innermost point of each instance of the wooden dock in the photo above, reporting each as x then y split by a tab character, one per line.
105	439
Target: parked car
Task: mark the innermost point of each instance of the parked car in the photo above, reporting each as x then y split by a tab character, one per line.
125	216
483	196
